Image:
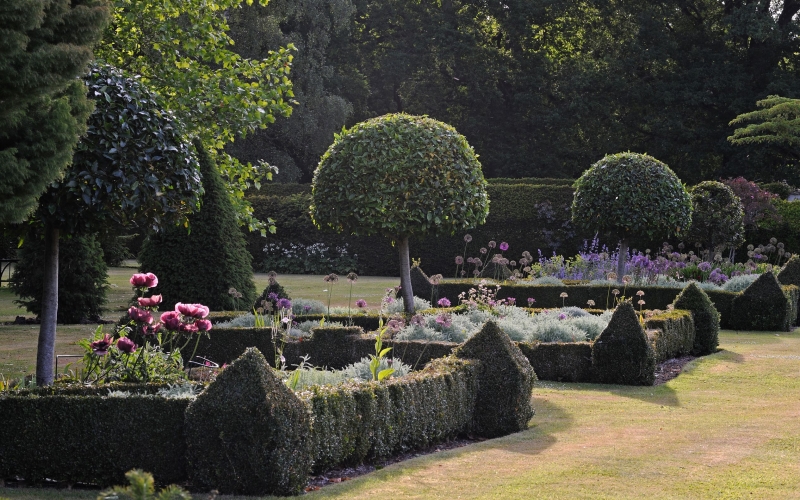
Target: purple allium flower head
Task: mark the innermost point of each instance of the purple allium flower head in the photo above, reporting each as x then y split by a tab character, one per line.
307	308
361	303
511	301
492	244
444	302
531	301
467	238
284	304
459	260
704	266
418	320
503	246
483	250
272	296
444	320
562	316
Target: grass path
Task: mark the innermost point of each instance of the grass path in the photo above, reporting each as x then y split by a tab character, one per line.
727	427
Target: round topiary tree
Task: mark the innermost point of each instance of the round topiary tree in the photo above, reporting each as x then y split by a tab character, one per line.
204	264
399	176
631	194
717	217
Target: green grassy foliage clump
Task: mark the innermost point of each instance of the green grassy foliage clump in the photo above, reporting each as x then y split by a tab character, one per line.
673	334
79	434
82	277
505	382
202	264
248	433
705	315
764	305
622	354
371	420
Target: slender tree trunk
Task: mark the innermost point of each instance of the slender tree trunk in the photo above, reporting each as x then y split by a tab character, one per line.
46	352
405	276
623	257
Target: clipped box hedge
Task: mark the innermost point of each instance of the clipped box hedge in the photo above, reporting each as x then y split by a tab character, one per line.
91	438
671	334
355	422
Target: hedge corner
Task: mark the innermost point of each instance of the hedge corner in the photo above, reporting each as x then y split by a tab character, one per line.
247	433
790	274
505	382
622	354
705	315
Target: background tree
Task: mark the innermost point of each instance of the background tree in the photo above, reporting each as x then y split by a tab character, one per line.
399	176
316	29
717	217
201	266
756	202
775	127
132	168
631	194
82	272
182	51
44	46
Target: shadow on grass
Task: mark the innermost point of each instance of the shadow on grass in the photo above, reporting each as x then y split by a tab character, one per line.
662	395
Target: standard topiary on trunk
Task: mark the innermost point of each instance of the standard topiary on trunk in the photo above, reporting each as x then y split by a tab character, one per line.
399	176
622	354
202	264
717	217
706	318
630	194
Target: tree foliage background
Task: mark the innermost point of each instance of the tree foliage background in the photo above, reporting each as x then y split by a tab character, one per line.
540	87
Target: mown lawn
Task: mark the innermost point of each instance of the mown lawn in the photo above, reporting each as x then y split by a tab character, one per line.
728	427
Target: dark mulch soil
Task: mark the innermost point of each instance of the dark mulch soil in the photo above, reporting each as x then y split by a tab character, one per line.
670	369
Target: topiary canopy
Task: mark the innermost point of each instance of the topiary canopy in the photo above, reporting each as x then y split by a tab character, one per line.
717	218
399	175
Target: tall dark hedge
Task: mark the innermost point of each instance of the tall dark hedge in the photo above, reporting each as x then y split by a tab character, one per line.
82	277
202	264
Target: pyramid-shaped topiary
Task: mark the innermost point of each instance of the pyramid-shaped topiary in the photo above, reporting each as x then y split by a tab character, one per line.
762	306
248	433
505	382
420	282
203	264
706	318
622	354
790	273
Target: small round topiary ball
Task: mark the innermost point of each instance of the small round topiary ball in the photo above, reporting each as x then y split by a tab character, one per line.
631	194
399	175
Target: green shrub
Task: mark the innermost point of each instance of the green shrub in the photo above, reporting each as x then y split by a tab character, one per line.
247	433
717	218
705	315
790	273
79	434
142	487
673	334
536	181
375	420
764	305
781	188
505	382
201	266
622	354
82	277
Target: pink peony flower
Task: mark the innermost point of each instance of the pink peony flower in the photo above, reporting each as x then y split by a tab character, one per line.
140	315
203	325
171	320
126	345
149	301
146	280
192	310
100	347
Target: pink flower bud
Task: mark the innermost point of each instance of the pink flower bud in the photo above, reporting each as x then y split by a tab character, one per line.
140	315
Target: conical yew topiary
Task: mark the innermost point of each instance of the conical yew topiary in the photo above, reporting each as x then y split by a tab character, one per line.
706	318
622	354
505	382
202	264
790	273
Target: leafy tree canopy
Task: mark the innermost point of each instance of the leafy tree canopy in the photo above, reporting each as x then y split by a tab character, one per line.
182	51
44	46
776	124
631	194
717	217
399	175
